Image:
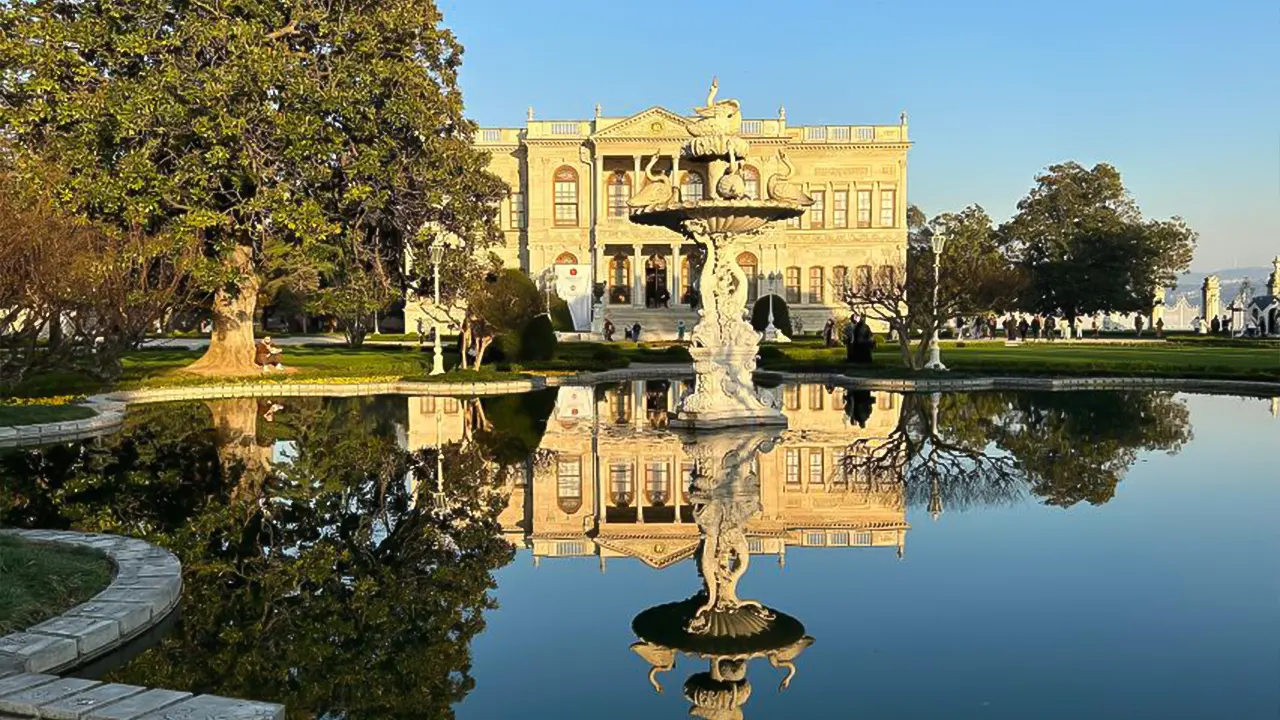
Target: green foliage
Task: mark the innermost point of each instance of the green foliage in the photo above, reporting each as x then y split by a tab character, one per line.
325	582
1086	248
781	315
561	318
538	340
504	307
42	581
322	135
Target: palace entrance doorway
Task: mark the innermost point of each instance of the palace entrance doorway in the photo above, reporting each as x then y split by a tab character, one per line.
656	294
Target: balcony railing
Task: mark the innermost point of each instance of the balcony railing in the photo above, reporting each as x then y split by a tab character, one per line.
752	127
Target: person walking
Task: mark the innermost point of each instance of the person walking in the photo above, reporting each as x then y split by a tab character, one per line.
1159	327
1035	327
635	332
1023	327
1010	328
1137	324
608	330
1050	327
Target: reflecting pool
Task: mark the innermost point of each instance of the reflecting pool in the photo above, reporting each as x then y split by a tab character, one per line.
566	554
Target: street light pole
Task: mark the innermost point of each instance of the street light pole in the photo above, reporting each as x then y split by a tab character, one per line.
437	360
938	242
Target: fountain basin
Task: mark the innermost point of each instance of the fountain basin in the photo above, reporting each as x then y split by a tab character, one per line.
719	216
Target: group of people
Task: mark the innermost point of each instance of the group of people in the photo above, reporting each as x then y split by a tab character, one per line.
1216	326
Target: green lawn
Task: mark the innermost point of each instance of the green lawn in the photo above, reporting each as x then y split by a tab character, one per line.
39	581
35	414
1246	361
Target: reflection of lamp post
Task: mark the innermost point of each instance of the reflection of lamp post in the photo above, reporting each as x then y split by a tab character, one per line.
939	242
437	254
438	495
935	497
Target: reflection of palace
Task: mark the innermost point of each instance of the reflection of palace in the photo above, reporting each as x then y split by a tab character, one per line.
610	480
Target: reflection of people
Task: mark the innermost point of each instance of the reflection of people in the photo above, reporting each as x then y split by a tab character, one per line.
267	355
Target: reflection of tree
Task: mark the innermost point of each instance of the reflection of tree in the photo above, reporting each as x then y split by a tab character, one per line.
991	448
1078	446
321	582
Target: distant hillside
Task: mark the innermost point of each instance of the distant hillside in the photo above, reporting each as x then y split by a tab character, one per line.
1190	283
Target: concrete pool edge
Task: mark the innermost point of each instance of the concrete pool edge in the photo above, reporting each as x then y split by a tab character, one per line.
145	590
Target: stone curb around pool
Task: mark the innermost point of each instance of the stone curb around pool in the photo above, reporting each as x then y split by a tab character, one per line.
146	588
109	414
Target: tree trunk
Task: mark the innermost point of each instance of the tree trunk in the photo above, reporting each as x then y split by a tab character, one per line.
240	456
231	346
484	345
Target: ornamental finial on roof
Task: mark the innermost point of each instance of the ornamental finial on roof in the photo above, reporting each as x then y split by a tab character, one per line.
597	109
530	117
782	112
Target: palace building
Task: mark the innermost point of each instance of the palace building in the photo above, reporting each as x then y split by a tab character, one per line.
566	218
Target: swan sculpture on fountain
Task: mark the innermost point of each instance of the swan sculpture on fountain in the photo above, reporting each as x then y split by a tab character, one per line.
780	189
657	192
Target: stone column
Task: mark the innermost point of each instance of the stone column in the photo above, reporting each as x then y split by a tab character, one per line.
675	170
636	185
673	275
600	189
639	480
637	275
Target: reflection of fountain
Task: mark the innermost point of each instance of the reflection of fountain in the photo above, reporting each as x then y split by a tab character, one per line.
716	624
724	343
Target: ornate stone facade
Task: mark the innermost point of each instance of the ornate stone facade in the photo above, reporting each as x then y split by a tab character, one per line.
567	215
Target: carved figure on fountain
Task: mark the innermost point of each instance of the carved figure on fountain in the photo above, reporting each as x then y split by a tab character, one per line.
658	191
732	185
780	189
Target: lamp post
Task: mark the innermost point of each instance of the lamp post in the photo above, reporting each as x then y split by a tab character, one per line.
437	254
938	242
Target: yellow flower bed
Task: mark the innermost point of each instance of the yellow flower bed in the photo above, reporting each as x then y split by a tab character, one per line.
43	401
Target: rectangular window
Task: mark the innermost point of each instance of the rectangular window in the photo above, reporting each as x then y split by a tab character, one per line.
791	397
686	476
569	480
621	489
815	285
815	466
840	469
840	279
657	482
816	393
840	209
864	208
793	223
863	279
818	210
619	194
887	199
566	202
885	277
451	405
517	211
793	285
793	469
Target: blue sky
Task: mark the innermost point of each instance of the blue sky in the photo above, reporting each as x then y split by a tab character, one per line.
1183	97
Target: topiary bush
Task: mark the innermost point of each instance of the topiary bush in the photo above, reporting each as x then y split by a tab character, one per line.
781	315
538	340
561	318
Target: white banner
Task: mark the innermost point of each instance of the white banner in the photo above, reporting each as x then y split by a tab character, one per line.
573	285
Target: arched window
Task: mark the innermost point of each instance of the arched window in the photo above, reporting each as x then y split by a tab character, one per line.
566	196
620	280
815	284
566	258
657	483
751	268
691	186
621	486
751	177
569	484
619	194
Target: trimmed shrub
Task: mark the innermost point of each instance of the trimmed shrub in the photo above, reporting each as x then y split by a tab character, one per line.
561	318
538	340
781	315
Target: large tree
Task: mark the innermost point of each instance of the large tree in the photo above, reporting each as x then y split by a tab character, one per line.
1085	247
316	132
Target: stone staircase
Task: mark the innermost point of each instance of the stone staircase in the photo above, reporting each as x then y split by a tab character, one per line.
658	324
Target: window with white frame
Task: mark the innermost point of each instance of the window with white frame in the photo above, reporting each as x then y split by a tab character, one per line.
864	208
888	199
840	208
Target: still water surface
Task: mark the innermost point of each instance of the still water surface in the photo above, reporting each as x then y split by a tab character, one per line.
990	555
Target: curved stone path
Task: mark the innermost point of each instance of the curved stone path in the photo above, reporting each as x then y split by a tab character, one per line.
146	588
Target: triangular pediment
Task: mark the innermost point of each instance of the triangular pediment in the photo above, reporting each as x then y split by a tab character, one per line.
656	122
657	552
